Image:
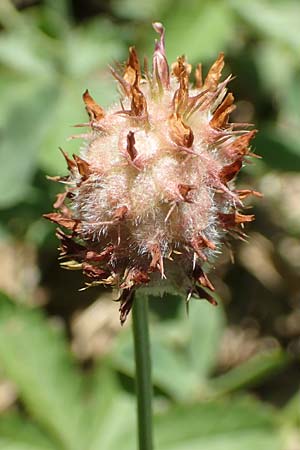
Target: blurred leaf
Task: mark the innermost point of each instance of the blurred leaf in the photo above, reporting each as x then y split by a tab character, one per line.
170	370
109	413
183	350
206	325
33	355
18	434
140	9
291	412
276	66
277	20
277	151
25	127
22	51
251	372
92	47
234	424
200	31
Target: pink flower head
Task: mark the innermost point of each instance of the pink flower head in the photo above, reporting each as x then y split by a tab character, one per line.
152	194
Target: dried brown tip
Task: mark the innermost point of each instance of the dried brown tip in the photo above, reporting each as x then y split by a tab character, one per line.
221	114
180	133
132	74
198	76
94	110
213	77
230	171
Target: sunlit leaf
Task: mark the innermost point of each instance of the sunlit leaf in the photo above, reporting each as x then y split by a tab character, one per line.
228	425
251	372
27	122
33	355
206	324
276	20
16	433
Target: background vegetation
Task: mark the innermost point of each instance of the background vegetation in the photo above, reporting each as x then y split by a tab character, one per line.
225	378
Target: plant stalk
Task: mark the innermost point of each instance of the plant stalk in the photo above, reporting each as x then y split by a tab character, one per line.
143	372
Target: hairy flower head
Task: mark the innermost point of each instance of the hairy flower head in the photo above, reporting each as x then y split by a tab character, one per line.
151	194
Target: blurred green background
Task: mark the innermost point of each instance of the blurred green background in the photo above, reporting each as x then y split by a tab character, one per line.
225	378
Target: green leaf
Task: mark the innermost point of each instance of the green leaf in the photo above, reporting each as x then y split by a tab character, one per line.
276	20
34	357
251	372
140	9
109	414
26	124
234	424
206	325
170	371
183	350
16	433
277	150
200	31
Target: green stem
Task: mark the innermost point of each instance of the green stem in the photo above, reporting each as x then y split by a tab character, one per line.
143	372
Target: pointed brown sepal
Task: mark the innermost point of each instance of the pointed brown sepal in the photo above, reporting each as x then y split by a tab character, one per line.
138	102
124	85
94	272
221	114
135	277
68	247
205	295
82	166
232	219
126	302
201	242
240	146
157	259
180	133
65	222
132	72
97	257
94	110
214	74
200	276
227	173
198	77
70	163
244	193
181	69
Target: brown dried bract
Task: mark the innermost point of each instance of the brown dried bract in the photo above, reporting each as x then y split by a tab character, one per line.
230	171
213	77
83	167
180	133
241	144
94	110
221	115
135	277
232	219
66	222
200	276
132	74
71	164
138	102
198	76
